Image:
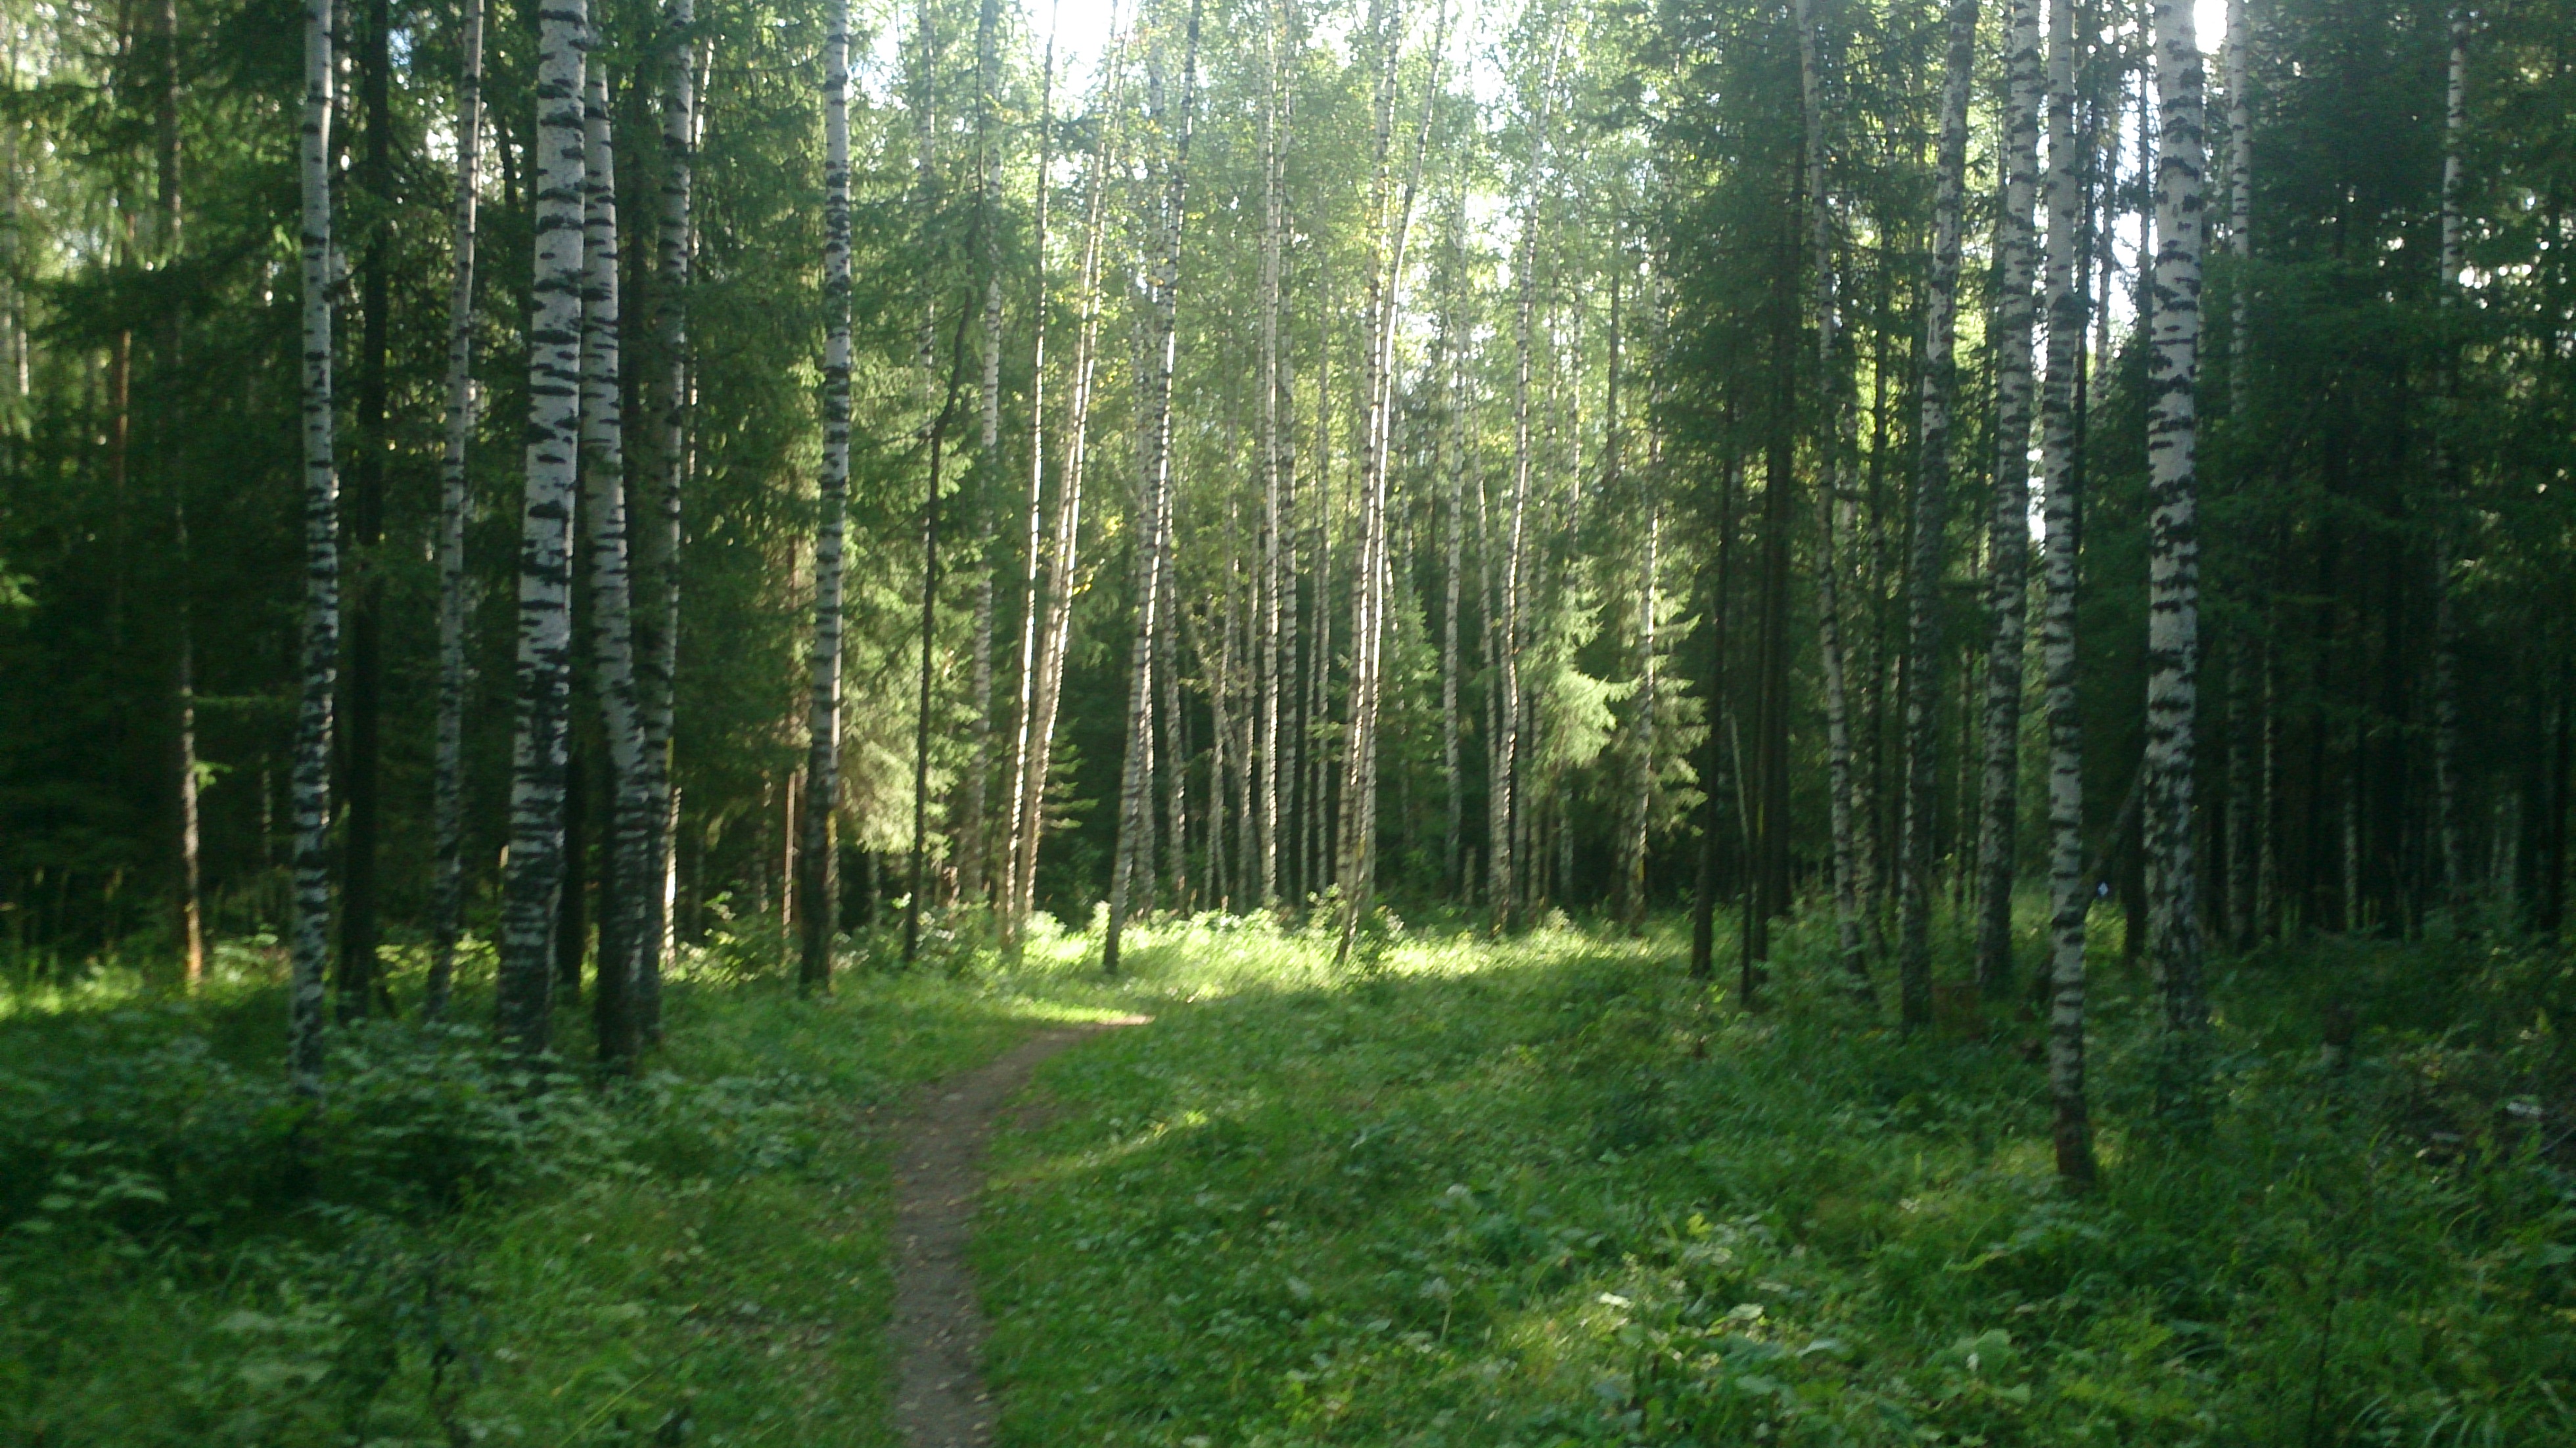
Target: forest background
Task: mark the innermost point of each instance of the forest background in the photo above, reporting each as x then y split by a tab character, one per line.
1542	274
500	510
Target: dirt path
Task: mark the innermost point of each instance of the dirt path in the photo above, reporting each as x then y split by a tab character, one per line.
939	1399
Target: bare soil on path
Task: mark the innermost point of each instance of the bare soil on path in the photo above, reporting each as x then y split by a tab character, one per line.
940	1400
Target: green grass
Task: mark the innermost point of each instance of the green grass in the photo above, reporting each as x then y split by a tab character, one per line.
189	1257
1550	1193
1535	1192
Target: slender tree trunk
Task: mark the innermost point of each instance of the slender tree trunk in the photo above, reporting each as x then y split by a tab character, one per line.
1829	488
1154	537
1767	876
1642	793
2239	824
1313	868
2240	199
1277	612
1714	774
1026	800
821	886
168	240
2551	908
1062	555
625	873
2173	613
2446	623
447	886
1503	806
1371	579
1923	568
658	540
362	712
1453	539
311	932
937	440
2008	531
2060	476
523	1003
572	894
1174	754
973	842
1355	851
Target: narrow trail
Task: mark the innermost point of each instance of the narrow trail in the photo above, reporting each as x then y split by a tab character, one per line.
940	1400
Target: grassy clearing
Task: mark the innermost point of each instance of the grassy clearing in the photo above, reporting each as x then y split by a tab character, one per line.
438	1257
1549	1193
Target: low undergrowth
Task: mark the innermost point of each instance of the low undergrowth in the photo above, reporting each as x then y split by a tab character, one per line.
439	1253
1551	1192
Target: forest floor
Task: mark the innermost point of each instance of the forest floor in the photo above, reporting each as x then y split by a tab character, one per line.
1534	1192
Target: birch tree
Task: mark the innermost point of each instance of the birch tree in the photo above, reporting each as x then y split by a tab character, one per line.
1923	568
631	823
1452	474
1503	806
972	845
659	539
1392	222
2008	530
1063	553
1025	801
320	651
447	850
1163	280
1278	600
2173	607
821	887
524	1000
2069	148
1829	621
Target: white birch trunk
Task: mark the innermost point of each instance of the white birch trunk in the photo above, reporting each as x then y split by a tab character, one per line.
974	846
1062	555
2008	530
524	991
1923	568
1174	751
819	895
2067	900
1371	576
1278	606
631	825
310	934
1033	618
2240	197
2173	532
1502	803
1153	537
1829	487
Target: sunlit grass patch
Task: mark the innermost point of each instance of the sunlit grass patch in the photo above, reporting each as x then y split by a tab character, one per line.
1544	1190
